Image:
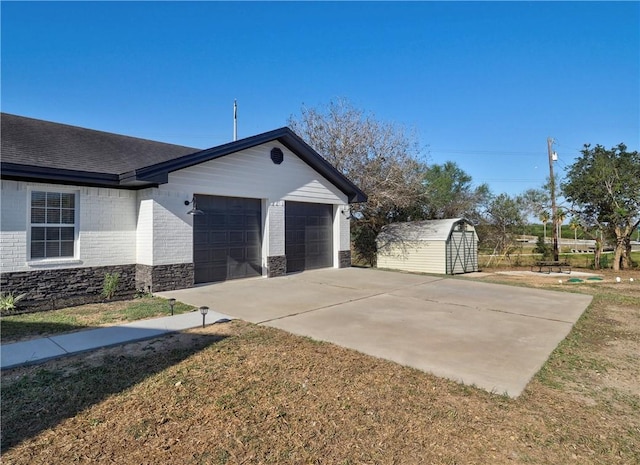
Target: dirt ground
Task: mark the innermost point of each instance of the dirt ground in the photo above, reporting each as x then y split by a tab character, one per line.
238	393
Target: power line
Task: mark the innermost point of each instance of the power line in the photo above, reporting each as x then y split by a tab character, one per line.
484	152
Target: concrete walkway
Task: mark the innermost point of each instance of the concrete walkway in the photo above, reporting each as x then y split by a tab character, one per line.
40	350
490	335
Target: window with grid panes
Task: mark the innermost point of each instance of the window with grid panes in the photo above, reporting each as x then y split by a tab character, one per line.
53	218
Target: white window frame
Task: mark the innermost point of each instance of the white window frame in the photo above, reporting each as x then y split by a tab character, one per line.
76	227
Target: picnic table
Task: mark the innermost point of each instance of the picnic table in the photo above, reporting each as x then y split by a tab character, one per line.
550	265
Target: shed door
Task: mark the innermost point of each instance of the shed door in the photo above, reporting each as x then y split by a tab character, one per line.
461	252
308	236
227	239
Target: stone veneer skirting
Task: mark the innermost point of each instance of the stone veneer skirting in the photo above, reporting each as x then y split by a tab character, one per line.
64	287
164	277
276	266
344	258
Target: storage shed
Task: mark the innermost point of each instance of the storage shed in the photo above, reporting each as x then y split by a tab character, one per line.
447	246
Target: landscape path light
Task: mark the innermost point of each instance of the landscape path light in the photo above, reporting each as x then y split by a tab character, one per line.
203	312
172	302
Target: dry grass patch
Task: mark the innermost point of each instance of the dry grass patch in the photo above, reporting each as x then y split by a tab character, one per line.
240	393
41	324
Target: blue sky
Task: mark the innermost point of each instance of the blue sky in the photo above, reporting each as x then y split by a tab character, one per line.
482	83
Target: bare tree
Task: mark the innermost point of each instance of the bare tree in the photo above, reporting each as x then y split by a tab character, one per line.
383	159
504	217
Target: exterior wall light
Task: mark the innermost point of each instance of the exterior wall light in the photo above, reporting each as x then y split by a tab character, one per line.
203	312
172	302
194	209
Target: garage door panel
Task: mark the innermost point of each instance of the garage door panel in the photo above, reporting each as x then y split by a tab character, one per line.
236	221
253	256
227	238
253	236
308	236
237	237
199	238
216	237
218	255
217	221
237	253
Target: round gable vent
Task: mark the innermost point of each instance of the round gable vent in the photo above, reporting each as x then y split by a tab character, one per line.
276	155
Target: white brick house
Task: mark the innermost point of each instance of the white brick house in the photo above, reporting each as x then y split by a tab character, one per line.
77	204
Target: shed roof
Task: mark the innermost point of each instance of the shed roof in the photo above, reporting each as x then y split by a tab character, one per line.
428	230
37	150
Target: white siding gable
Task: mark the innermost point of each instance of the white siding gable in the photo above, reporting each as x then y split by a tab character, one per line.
251	173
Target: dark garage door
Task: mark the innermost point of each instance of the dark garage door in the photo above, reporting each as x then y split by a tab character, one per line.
227	239
308	236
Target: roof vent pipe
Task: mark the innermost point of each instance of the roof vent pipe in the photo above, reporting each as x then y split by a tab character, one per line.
235	120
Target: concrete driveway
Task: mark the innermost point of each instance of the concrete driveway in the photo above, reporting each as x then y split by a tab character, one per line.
493	336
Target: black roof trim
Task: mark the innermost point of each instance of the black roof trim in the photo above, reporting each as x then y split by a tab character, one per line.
159	172
54	175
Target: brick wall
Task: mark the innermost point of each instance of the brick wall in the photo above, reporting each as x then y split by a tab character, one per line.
345	227
13	224
172	228
276	229
106	234
108	220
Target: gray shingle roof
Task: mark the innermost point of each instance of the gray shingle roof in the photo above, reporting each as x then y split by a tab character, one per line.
36	150
27	141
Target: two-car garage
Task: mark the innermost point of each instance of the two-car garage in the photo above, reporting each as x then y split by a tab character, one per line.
228	234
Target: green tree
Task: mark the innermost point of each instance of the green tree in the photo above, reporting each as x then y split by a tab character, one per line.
604	187
382	159
449	193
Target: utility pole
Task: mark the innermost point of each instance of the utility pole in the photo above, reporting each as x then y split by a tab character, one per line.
554	210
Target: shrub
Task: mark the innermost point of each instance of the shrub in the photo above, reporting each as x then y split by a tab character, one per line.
110	285
542	248
8	302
